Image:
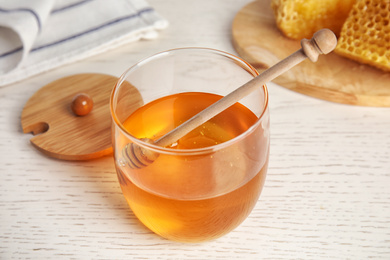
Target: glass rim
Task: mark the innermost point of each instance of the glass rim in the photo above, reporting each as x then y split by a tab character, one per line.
193	151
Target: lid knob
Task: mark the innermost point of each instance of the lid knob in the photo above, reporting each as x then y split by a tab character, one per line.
82	104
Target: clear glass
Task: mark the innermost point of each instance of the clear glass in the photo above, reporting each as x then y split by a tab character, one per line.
192	194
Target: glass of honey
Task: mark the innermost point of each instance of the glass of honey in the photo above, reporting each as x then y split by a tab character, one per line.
205	184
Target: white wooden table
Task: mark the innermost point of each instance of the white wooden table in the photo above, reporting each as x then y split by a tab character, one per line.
327	193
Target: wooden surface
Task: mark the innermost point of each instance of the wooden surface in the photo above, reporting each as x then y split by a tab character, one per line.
257	39
61	134
326	195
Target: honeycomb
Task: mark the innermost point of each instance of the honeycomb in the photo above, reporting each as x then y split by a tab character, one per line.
365	36
299	19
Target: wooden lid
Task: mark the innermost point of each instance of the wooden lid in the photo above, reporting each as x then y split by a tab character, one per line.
60	133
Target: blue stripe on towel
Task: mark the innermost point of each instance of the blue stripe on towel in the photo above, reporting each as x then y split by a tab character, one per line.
24	10
94	29
70	6
146	10
11	52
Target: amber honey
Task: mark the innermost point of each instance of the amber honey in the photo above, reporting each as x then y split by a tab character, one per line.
196	195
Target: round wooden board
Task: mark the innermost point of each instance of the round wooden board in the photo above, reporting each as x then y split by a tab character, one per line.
62	134
334	78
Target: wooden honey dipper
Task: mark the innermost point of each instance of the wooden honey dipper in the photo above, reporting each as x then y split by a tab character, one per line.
323	42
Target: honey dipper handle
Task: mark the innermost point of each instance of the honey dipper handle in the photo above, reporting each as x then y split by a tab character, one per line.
323	42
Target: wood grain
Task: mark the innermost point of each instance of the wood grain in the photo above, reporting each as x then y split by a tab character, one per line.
334	78
61	134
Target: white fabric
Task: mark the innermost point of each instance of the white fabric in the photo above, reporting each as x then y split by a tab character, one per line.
38	35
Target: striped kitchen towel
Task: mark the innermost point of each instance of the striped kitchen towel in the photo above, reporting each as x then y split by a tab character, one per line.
38	35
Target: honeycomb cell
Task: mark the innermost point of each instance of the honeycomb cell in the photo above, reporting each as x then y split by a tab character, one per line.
377	19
